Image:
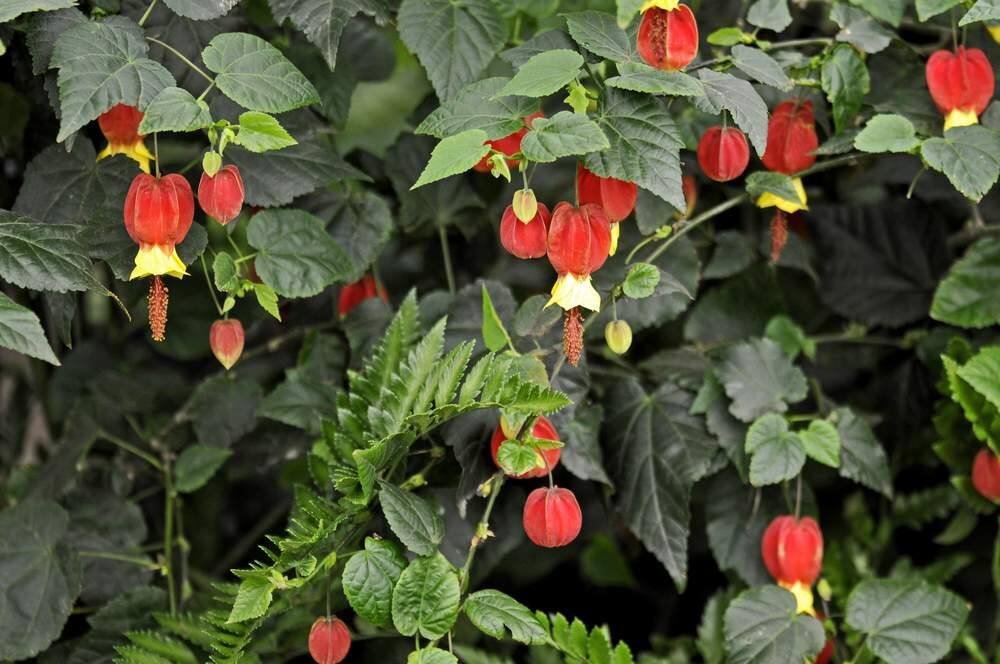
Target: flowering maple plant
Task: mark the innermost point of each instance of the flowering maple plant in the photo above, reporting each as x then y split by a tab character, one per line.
499	331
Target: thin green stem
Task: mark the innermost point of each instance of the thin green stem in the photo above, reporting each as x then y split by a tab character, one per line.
593	76
244	259
130	448
183	58
147	13
484	524
106	555
689	226
446	253
236	247
206	91
168	536
208	282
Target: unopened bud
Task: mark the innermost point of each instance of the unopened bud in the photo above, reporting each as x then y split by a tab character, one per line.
211	163
618	334
525	205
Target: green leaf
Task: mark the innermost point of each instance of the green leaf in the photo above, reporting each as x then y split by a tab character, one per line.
426	598
759	378
778	454
431	656
256	75
39	577
11	9
370	576
967	296
983	10
544	74
295	254
600	34
494	333
478	106
645	145
906	622
102	64
845	81
472	32
175	109
890	11
196	465
413	520
362	224
565	134
725	91
822	442
641	280
323	21
928	9
860	29
770	15
21	331
862	458
517	458
628	9
968	156
225	273
453	155
785	332
887	133
260	132
252	599
201	10
43	31
639	77
711	637
223	410
760	66
494	613
43	256
779	184
267	299
726	37
762	627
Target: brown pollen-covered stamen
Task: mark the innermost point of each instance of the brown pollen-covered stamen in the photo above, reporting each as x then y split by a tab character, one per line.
158	301
573	336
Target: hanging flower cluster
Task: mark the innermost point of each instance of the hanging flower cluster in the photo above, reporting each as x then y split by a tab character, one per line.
120	125
793	554
668	35
961	84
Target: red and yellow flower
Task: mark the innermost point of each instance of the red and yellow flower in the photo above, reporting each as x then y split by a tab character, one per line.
668	34
962	84
793	554
617	197
578	244
120	125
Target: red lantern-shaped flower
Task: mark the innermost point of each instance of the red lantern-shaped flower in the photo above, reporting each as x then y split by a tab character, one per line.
509	145
793	554
617	197
226	341
723	153
986	475
668	34
221	195
158	216
552	517
962	85
791	138
354	294
525	239
329	641
120	125
543	429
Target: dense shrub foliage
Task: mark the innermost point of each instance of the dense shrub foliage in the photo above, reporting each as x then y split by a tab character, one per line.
495	331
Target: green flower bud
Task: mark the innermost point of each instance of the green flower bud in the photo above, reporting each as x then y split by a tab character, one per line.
525	205
618	334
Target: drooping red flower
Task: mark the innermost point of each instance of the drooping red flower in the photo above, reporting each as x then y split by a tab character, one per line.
525	239
221	196
329	640
354	294
552	517
509	145
543	429
793	550
723	153
617	197
791	138
986	475
226	341
578	244
961	84
668	35
120	125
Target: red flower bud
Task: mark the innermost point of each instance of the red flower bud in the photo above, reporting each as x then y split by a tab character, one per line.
690	187
354	294
962	85
552	517
617	197
226	341
525	240
986	475
120	125
329	641
791	138
543	429
158	216
668	38
793	550
221	195
508	145
723	153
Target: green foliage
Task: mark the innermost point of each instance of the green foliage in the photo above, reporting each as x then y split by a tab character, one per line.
761	626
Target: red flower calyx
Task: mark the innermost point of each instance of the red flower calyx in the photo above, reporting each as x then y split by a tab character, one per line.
552	517
509	145
525	239
668	35
221	195
578	244
547	459
723	153
961	84
793	554
120	125
226	340
329	640
986	475
354	294
617	197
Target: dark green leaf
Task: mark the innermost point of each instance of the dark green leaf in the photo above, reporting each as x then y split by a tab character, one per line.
544	74
967	296
845	81
599	33
759	378
426	598
968	156
770	14
762	627
927	9
983	10
777	453
43	31
725	91
862	458
860	29
21	331
369	577
414	520
196	465
565	134
478	106
201	10
223	410
770	182
175	109
494	613
639	77
11	9
760	66
323	21
43	256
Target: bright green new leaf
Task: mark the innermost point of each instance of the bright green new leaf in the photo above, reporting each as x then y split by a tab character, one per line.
887	133
822	442
496	613
260	132
544	74
426	598
369	577
414	520
453	155
565	134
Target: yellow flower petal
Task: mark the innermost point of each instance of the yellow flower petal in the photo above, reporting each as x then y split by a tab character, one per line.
571	290
803	597
154	260
960	118
994	32
768	199
137	151
669	5
615	232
